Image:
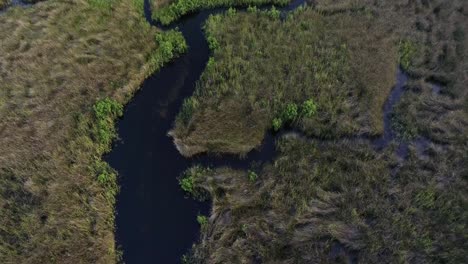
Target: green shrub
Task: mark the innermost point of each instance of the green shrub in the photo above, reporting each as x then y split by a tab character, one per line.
290	112
407	52
106	111
231	12
212	43
277	124
252	176
309	108
171	45
274	13
189	180
187	184
202	220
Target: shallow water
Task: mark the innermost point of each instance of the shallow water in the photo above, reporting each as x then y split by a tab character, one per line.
155	222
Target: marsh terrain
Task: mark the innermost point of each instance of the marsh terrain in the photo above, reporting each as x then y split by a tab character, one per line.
245	131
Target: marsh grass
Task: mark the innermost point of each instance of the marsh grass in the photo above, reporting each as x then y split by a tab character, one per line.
263	71
338	201
168	12
315	196
66	69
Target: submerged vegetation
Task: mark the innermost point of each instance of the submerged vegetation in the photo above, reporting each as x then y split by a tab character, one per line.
66	69
312	75
169	12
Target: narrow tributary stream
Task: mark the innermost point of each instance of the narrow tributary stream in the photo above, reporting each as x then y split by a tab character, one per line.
155	221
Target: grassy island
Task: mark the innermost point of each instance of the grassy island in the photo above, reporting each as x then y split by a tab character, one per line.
328	76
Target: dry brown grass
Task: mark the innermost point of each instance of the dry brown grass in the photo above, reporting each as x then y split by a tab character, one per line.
56	59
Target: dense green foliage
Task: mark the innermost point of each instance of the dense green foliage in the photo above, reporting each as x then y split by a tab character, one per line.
309	71
188	182
407	51
252	176
106	111
171	44
202	220
179	8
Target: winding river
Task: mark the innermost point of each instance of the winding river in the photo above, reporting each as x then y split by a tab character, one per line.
155	222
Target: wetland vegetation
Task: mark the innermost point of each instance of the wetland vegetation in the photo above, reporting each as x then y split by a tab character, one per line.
339	200
317	77
168	11
312	75
66	68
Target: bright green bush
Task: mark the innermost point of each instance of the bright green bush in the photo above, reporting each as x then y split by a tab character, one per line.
212	43
252	176
202	220
171	45
290	112
188	182
231	12
309	108
277	124
407	51
274	13
105	112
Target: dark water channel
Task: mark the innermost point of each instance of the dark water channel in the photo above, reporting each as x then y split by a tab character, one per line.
156	223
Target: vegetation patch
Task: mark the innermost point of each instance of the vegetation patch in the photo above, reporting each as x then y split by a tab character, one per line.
66	69
337	202
170	11
328	76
